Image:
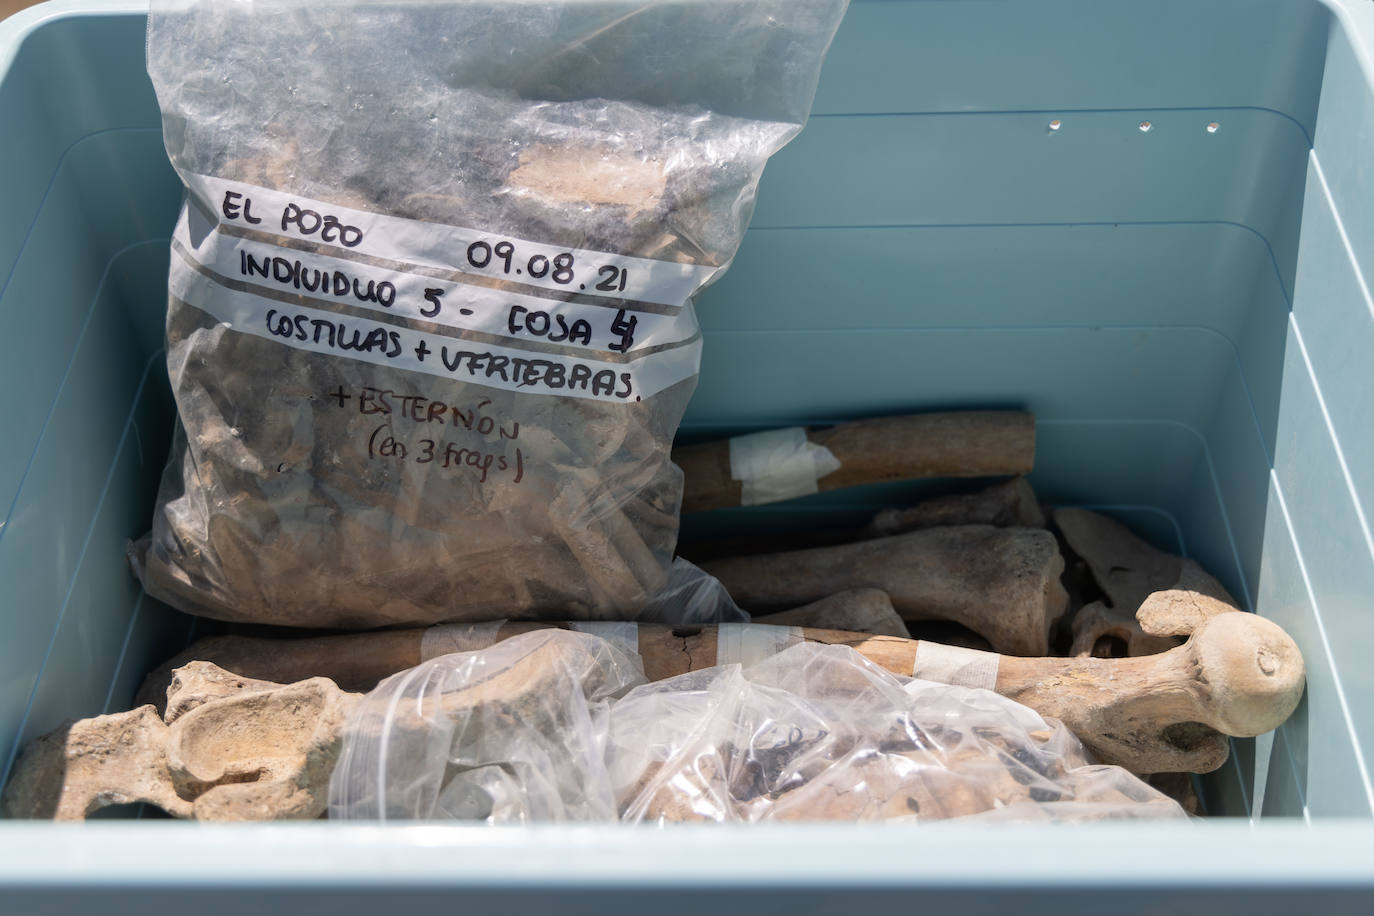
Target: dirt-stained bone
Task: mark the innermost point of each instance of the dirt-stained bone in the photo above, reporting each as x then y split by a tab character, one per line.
1002	583
260	754
1127	570
1179	611
79	768
197	683
959	444
860	610
238	748
255	751
1011	504
1238	675
560	175
235	749
357	662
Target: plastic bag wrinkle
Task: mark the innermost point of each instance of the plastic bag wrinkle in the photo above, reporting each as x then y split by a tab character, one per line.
511	733
814	732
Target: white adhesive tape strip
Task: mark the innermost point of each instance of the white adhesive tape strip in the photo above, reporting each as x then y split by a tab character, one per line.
778	464
500	313
745	644
956	666
449	638
624	636
446	247
379	343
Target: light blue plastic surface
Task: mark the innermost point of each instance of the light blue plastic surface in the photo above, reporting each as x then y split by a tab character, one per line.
1187	312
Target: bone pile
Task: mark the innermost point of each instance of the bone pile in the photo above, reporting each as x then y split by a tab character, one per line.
1082	612
1142	658
817	731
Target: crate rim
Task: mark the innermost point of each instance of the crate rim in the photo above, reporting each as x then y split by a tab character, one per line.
1219	854
1203	854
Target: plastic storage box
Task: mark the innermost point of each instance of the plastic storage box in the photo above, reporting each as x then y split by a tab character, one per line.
1152	223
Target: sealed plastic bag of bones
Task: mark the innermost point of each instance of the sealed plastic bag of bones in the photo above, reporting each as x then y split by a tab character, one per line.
560	726
430	322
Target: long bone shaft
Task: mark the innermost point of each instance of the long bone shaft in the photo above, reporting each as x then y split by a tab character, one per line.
1002	583
957	444
1007	504
1238	675
358	661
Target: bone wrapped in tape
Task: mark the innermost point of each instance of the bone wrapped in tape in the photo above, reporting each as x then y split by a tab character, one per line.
778	464
953	444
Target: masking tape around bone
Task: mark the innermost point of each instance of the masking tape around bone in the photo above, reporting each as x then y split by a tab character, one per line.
954	665
778	464
449	638
624	636
745	644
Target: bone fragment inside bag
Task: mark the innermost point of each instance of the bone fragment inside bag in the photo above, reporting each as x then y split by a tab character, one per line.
473	732
816	733
813	732
430	322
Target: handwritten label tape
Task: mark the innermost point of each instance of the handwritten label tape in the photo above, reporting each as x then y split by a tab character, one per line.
384	344
954	665
778	464
333	281
472	251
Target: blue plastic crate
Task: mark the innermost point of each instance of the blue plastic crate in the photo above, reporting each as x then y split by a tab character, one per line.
1173	279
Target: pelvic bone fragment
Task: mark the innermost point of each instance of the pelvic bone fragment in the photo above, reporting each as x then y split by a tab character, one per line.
235	749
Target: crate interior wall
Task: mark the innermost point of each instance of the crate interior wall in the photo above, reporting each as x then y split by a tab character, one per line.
1147	223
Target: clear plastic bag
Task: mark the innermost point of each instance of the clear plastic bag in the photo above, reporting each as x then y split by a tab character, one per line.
513	733
430	326
818	732
814	732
